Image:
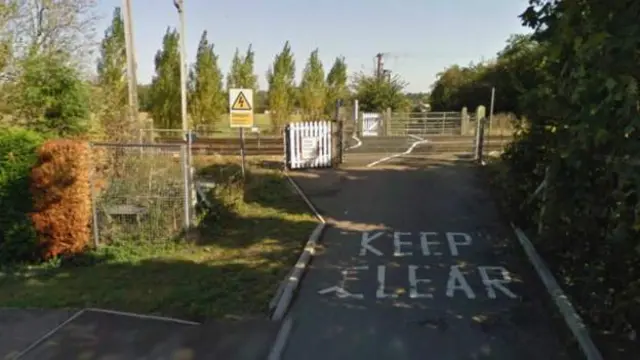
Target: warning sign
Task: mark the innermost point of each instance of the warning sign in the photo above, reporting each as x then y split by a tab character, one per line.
240	108
241	103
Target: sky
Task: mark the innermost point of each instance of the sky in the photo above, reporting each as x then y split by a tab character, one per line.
421	37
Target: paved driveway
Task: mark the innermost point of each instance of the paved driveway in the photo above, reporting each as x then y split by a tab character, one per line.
417	265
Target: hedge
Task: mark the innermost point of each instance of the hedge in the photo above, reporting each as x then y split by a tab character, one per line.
61	195
18	242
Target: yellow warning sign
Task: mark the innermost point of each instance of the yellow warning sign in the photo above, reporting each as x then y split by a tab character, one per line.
240	109
241	103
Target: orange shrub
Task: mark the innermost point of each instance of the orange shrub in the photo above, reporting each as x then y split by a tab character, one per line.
62	198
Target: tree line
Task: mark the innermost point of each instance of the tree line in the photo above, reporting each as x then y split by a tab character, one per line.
574	85
49	83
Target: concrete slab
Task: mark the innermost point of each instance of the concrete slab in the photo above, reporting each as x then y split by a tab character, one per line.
21	327
417	264
101	335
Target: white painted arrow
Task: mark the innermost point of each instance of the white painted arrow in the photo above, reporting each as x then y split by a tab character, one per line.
340	292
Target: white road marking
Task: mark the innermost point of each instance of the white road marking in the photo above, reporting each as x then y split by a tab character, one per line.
496	284
453	245
340	292
380	294
364	243
414	281
424	243
457	281
409	150
398	243
358	142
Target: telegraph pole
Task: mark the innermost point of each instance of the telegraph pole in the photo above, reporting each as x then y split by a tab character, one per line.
131	62
179	4
379	65
186	150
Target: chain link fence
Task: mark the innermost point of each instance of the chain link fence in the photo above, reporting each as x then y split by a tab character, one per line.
140	192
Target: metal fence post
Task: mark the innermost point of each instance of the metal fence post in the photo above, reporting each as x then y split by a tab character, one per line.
94	210
543	201
184	162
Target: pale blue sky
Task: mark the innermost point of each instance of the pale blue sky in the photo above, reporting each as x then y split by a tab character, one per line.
423	37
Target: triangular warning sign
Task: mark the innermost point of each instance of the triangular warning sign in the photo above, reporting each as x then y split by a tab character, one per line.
241	103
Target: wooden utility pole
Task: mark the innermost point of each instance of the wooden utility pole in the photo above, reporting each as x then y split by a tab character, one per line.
379	65
131	62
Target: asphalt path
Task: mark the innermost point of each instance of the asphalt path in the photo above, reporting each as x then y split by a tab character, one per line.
416	264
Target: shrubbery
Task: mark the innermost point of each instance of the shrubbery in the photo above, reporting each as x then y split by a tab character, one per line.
61	195
18	240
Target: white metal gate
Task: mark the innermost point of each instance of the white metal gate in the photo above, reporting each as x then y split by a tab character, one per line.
371	124
308	144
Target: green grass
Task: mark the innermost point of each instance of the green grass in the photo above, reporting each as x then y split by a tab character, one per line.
232	265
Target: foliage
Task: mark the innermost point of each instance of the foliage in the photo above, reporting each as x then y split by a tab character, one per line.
17	155
144	97
45	27
577	83
376	94
313	91
112	82
242	73
165	88
207	99
337	88
514	73
281	79
61	197
51	97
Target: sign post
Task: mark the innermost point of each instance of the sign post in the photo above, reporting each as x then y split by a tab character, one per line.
241	114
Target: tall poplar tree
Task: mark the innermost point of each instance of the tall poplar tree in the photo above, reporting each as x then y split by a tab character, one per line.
112	80
165	85
207	98
336	85
281	94
313	89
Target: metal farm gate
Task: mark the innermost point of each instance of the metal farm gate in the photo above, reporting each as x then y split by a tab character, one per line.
312	144
391	135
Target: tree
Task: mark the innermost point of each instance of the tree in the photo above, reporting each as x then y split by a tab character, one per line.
337	88
112	82
165	85
206	93
376	94
45	26
281	79
242	73
313	90
51	96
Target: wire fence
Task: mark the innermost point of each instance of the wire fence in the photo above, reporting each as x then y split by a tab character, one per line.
140	192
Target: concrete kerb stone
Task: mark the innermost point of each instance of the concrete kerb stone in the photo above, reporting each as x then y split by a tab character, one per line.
281	302
571	318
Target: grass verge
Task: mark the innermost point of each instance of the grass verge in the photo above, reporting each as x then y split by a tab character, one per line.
241	250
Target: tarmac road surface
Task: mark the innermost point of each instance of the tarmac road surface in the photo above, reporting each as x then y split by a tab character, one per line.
417	264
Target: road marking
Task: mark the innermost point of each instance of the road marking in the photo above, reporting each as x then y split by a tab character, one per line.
496	284
457	281
359	143
424	243
340	292
364	243
402	247
414	281
398	243
380	294
409	150
453	245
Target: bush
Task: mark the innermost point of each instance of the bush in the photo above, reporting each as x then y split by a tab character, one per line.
61	194
17	156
